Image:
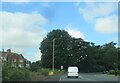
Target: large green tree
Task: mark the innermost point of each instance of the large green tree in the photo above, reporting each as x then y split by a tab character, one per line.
61	42
70	51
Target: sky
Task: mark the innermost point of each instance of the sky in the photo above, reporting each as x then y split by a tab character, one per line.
24	24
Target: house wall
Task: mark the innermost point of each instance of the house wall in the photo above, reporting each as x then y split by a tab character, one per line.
16	60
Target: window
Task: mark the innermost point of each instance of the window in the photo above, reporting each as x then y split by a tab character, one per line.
27	65
1	57
14	60
4	59
21	60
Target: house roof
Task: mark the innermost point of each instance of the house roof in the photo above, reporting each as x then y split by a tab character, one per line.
3	53
11	56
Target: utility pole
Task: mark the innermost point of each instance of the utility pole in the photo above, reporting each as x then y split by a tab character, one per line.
53	55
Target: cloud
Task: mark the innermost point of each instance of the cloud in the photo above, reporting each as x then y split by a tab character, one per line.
103	16
107	25
60	0
74	32
93	10
21	31
15	0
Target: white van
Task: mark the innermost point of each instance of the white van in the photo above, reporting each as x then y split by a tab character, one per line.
73	72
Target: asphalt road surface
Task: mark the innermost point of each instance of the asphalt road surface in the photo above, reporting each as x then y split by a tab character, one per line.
87	78
90	77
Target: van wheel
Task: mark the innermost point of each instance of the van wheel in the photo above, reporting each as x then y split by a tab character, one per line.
76	76
68	77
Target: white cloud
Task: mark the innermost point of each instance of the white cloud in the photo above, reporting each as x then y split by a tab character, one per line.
107	25
21	31
93	10
15	0
74	32
60	0
103	16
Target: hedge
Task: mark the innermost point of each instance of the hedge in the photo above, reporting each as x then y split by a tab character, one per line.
14	74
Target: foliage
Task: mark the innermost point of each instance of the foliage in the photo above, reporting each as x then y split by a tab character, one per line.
61	43
14	74
35	66
43	71
112	72
69	51
118	71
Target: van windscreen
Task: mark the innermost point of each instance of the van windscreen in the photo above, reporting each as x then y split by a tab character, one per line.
72	69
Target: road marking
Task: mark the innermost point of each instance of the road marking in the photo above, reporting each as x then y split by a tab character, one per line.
59	80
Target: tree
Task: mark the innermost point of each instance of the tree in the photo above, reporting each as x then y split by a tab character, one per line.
118	58
77	52
62	39
35	66
109	55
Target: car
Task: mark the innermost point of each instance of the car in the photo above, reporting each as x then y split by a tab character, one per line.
73	72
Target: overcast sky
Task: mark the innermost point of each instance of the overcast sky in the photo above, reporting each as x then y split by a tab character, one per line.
25	24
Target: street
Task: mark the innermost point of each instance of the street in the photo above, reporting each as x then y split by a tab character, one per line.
90	77
86	78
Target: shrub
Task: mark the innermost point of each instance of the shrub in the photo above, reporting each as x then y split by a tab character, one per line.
118	71
112	72
44	71
16	74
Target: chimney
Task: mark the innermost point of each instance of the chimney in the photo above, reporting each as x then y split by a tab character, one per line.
9	50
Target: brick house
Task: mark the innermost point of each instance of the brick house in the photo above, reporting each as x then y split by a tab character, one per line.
16	60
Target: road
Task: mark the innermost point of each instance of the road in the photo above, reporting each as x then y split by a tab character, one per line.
86	78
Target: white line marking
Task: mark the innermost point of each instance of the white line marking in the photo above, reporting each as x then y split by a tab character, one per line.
59	80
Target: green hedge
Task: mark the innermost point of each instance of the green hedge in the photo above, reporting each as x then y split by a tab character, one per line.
118	72
14	74
112	72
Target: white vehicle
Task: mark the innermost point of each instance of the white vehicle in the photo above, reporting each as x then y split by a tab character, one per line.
73	72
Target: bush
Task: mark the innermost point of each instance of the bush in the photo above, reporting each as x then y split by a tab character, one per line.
14	74
112	72
17	74
118	71
44	71
60	71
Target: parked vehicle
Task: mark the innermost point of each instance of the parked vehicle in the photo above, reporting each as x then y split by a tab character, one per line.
73	72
